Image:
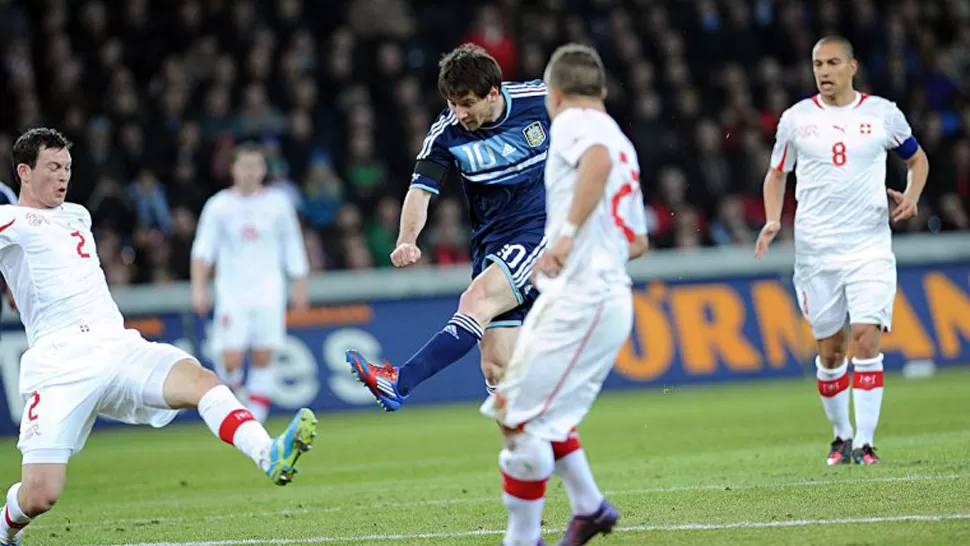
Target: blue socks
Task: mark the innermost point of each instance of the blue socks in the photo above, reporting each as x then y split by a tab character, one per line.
447	346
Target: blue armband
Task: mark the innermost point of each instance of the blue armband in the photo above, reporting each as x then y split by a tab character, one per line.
907	148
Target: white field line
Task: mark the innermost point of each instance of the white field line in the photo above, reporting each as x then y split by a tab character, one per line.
631	529
480	500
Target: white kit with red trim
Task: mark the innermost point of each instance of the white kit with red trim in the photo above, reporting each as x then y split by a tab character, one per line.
569	340
839	158
601	248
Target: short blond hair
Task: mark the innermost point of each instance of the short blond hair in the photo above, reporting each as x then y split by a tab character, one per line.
576	70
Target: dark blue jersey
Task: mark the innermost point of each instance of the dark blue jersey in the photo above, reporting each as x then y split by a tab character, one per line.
500	164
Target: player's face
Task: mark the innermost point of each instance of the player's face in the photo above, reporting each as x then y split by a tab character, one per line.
248	170
473	111
833	68
46	184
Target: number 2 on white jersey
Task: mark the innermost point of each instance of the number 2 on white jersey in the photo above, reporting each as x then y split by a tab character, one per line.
80	244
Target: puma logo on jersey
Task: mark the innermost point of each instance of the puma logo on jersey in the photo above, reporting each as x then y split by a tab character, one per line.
839	128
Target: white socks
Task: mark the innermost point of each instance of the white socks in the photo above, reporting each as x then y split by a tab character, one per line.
833	388
525	472
867	386
259	386
573	469
234	424
12	520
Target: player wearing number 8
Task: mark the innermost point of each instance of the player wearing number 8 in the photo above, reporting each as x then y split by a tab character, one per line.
82	362
493	138
836	142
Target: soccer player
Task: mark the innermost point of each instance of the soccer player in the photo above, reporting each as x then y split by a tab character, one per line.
250	234
493	135
836	141
82	362
584	314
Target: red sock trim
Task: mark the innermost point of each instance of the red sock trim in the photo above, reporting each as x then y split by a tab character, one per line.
561	449
867	381
11	523
828	389
521	489
232	422
260	399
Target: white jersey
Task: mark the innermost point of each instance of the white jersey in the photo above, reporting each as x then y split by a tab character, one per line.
251	240
839	157
50	262
601	248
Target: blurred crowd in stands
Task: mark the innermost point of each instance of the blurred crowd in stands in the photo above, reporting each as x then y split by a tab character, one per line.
340	94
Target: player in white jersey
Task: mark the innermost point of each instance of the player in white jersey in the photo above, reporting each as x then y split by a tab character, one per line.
81	361
251	235
836	142
584	314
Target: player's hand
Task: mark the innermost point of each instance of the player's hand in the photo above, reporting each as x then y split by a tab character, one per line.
768	234
300	301
906	207
405	254
200	302
553	260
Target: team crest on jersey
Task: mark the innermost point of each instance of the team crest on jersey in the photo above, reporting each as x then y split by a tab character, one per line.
534	134
34	219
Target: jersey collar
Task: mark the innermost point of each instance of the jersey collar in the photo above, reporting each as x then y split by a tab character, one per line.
508	110
859	97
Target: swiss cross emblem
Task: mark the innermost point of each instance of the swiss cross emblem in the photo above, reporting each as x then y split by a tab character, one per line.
249	233
865	128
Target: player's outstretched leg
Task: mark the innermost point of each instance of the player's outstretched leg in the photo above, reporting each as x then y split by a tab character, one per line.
833	389
592	513
190	385
526	464
391	386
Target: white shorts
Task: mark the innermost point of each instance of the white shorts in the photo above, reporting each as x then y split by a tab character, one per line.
69	381
865	291
239	328
565	351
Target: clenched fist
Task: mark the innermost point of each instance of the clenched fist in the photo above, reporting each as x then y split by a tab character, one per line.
405	255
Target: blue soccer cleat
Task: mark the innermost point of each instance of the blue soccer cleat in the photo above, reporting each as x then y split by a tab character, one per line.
381	381
286	449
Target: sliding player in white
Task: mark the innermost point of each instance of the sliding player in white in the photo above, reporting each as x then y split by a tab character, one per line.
584	314
251	235
836	142
82	362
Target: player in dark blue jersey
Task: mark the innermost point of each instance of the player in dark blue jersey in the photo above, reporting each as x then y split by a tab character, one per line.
494	137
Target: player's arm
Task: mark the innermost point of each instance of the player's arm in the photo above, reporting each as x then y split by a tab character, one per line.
783	157
639	246
430	171
904	144
204	251
592	173
296	261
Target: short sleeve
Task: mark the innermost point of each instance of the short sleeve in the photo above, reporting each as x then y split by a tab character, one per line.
784	154
434	160
899	135
572	136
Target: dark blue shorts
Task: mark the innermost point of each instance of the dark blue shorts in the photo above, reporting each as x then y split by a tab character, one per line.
515	255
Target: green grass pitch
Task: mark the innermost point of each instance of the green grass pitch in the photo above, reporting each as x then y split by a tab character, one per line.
727	464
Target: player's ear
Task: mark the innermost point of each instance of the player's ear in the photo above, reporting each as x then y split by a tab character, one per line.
23	170
603	94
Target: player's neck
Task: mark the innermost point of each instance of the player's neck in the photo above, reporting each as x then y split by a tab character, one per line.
246	191
844	98
30	203
582	103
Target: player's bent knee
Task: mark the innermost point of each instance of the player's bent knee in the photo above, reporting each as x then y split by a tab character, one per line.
865	340
232	360
41	488
831	350
493	372
187	383
262	358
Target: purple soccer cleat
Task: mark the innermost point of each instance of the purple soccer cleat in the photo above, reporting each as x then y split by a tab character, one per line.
582	529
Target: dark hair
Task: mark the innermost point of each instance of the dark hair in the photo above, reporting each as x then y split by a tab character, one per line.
468	68
577	70
29	145
836	39
246	148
